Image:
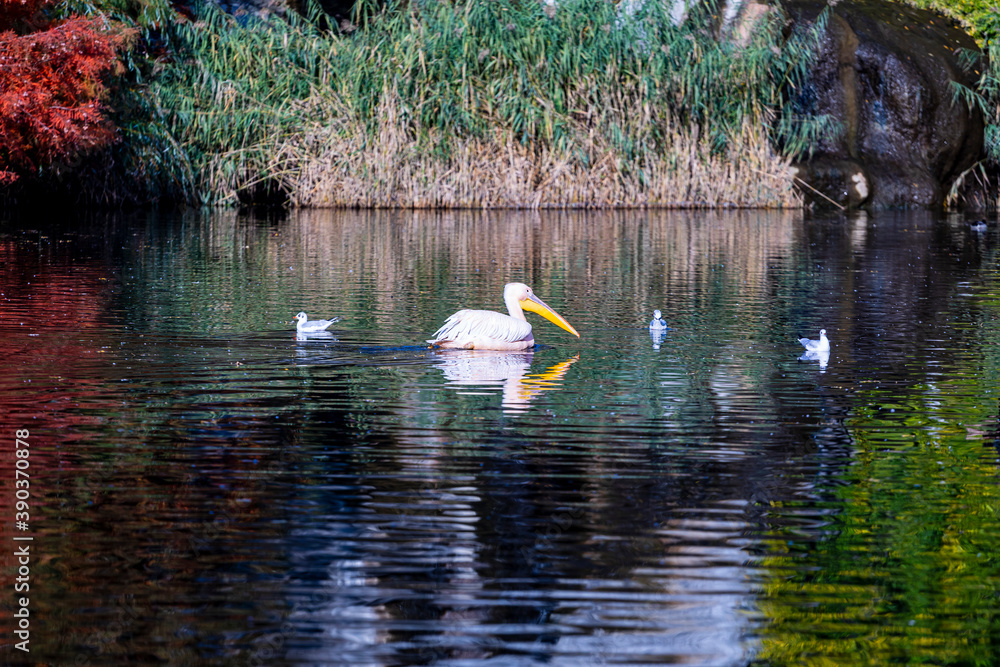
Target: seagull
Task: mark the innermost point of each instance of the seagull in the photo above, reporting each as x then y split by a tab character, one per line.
821	345
315	326
657	321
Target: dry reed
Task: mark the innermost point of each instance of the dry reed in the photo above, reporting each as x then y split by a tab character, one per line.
330	166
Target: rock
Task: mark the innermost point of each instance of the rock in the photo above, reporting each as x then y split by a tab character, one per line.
884	71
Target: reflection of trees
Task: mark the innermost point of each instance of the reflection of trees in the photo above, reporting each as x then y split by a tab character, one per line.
891	572
134	531
229	272
526	504
371	489
881	289
385	269
714	439
406	502
464	258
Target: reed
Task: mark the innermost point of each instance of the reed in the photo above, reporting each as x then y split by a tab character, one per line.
487	104
979	186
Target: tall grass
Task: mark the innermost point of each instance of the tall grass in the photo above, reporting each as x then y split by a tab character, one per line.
481	104
979	186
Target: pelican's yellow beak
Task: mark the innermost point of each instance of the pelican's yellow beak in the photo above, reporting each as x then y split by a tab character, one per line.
536	305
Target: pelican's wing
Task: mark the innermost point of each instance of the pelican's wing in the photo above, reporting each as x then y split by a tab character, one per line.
472	325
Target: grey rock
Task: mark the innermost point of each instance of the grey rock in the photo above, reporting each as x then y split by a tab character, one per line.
884	72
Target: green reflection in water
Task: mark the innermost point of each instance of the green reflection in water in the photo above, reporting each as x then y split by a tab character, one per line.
909	570
185	398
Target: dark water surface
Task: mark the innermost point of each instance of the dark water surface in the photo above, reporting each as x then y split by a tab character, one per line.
207	489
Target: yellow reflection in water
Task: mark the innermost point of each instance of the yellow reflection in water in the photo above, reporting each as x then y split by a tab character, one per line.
509	370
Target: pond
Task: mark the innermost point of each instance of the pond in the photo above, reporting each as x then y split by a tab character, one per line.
202	486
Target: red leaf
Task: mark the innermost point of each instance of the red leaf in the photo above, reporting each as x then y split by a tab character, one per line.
51	85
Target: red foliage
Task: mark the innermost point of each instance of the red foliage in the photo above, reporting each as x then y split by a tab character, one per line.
51	85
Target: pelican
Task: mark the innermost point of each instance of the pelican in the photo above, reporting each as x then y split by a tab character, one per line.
657	321
821	345
304	327
488	330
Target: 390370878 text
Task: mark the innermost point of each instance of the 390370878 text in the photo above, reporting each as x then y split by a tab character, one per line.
22	550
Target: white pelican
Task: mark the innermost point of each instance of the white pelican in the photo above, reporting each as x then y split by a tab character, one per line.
315	326
821	345
657	321
487	330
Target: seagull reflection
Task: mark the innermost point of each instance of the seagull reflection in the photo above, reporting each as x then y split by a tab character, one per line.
657	336
509	370
822	357
324	336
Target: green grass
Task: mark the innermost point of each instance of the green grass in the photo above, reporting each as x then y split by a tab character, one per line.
474	104
980	17
435	85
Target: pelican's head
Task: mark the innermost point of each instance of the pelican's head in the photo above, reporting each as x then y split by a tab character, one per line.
657	315
522	294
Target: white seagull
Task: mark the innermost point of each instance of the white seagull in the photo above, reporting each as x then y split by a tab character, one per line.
657	321
821	345
316	326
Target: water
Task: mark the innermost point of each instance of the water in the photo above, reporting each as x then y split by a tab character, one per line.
207	489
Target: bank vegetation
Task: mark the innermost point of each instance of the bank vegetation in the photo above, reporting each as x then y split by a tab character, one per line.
486	104
507	103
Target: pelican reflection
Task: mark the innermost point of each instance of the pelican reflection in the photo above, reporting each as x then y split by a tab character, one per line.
509	370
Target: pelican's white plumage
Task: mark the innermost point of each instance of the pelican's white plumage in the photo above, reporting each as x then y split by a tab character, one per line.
821	345
489	330
471	324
